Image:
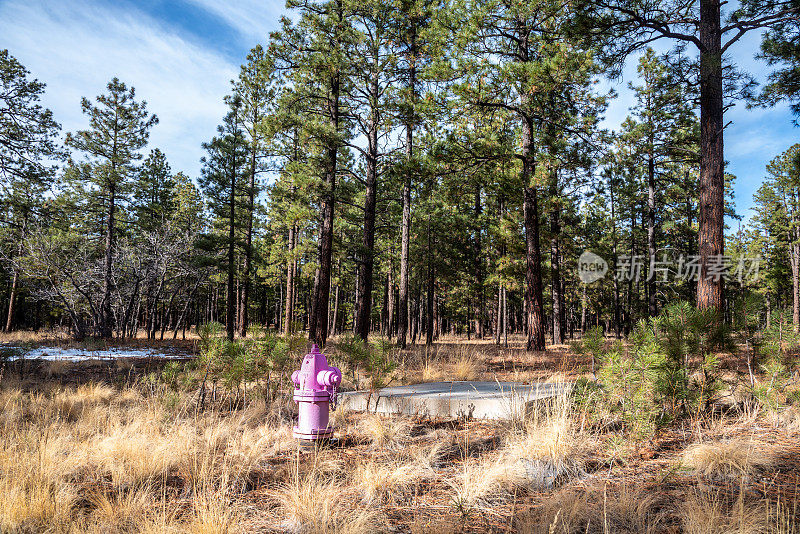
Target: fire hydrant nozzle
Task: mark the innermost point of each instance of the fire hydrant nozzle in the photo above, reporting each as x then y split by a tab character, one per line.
315	392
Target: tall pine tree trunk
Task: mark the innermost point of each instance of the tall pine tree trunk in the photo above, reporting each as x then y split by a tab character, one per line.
712	177
652	307
617	315
498	326
318	325
555	268
390	312
248	245
230	312
290	268
11	298
405	238
366	265
794	255
794	264
105	305
478	259
431	287
533	271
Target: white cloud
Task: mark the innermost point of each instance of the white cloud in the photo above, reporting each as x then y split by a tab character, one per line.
76	48
253	18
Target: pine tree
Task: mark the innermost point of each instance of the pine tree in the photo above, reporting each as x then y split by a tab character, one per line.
314	54
153	194
656	130
119	128
625	26
412	33
778	214
28	149
516	59
256	86
372	74
780	46
223	179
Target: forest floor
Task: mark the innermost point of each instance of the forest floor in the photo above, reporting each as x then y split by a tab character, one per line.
102	446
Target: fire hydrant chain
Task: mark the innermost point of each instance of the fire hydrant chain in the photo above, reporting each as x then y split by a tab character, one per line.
334	399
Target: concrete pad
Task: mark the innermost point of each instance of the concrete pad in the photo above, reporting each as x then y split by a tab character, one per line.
480	400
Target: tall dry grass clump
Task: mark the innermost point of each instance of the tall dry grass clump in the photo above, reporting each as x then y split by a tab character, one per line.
730	459
540	452
312	503
549	447
384	431
708	512
465	368
379	481
595	510
480	484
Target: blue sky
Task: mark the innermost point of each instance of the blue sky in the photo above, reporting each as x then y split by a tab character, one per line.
181	55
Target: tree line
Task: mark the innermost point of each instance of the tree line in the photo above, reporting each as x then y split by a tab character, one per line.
413	168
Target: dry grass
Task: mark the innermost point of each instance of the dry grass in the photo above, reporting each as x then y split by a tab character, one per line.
64	339
380	481
431	372
384	431
595	510
102	459
548	451
92	459
465	368
730	459
314	504
486	482
550	448
710	513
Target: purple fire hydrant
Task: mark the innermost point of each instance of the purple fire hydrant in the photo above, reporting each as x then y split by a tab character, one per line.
315	393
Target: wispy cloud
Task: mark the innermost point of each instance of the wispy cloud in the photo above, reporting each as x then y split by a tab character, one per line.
77	47
253	18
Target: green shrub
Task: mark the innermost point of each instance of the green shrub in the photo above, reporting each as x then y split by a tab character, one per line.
772	356
591	344
373	360
668	370
254	360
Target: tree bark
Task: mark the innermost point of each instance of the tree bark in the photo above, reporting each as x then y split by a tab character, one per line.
105	305
533	272
795	252
430	296
652	307
12	297
248	245
230	312
617	315
318	326
290	268
555	268
390	304
498	315
794	264
478	265
712	177
505	317
405	238
367	263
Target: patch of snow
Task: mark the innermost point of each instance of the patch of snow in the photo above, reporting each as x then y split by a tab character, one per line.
76	355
